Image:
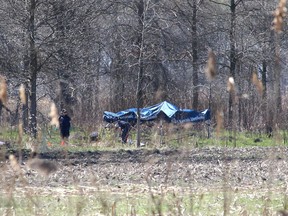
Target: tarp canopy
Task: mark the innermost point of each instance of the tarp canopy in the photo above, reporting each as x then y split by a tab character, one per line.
163	110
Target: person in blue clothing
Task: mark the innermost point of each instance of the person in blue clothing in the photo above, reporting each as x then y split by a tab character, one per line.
64	125
125	128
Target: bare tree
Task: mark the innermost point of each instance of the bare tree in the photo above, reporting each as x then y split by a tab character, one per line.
140	44
96	55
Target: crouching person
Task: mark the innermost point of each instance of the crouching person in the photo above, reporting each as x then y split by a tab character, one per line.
125	128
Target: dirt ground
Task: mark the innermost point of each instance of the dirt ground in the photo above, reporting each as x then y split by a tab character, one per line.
200	167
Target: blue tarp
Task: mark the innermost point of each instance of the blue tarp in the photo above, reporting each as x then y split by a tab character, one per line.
164	110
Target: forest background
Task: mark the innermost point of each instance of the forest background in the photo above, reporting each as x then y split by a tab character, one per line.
96	55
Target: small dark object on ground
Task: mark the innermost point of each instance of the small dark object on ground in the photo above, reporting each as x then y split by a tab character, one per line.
257	140
5	144
231	138
94	136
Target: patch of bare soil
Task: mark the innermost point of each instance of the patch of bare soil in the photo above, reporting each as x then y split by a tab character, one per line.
199	167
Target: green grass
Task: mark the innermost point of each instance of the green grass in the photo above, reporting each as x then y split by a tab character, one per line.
49	139
243	139
173	202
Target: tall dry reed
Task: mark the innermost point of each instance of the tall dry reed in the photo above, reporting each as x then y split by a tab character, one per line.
22	94
210	70
3	90
258	84
54	115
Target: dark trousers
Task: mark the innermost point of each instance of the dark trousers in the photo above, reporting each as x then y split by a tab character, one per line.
124	135
64	133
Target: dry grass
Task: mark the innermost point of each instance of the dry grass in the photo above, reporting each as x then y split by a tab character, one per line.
194	181
131	183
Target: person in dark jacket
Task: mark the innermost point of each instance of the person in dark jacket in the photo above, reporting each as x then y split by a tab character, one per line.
64	125
125	128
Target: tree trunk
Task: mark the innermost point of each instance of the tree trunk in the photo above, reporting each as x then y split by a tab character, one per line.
139	95
118	77
25	111
33	71
264	96
277	83
26	68
232	60
1	106
195	56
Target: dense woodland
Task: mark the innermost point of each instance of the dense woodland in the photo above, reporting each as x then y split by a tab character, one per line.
95	55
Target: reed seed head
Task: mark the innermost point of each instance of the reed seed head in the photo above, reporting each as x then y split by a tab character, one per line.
254	78
279	15
210	70
54	115
22	94
231	84
219	122
3	90
20	132
14	163
258	84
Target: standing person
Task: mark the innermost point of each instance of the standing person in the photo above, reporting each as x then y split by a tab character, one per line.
64	124
125	128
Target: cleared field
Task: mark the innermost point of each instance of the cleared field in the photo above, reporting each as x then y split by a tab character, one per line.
201	181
